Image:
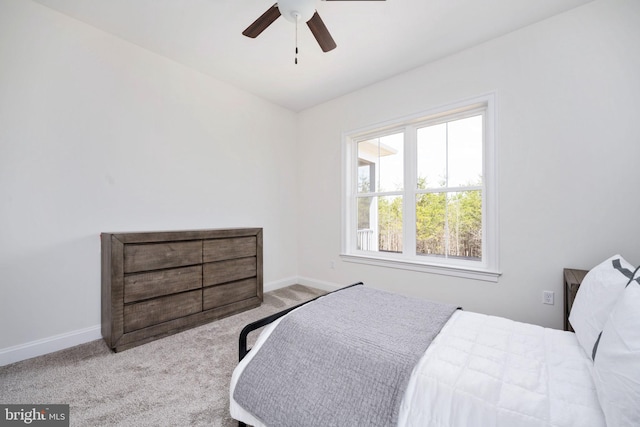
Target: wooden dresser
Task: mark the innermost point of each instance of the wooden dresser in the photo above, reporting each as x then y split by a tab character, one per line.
155	284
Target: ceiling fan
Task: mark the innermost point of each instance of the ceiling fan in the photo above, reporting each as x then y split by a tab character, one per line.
296	11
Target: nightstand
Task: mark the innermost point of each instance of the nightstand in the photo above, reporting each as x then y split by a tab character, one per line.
572	280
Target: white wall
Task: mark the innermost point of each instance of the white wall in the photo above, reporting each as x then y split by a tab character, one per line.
568	102
97	134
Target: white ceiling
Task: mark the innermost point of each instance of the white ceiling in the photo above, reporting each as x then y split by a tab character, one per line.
376	39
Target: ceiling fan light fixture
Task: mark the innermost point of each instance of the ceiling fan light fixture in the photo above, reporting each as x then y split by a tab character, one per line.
297	10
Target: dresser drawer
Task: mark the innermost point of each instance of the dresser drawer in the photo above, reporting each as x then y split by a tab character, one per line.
151	312
156	256
140	286
216	296
223	249
228	271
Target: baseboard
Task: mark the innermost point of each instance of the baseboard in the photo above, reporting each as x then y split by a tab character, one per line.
48	345
60	342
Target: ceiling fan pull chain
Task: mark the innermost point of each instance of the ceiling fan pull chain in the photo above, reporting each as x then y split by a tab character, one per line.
296	57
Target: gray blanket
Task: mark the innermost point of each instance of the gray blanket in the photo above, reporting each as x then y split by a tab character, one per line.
342	360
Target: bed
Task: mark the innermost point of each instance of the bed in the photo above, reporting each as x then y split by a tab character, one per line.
476	370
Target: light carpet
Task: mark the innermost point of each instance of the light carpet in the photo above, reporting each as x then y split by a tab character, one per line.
180	380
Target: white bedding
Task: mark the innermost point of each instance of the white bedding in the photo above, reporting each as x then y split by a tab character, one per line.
490	371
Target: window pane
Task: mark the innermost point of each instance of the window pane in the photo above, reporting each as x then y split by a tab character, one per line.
380	224
432	156
380	164
390	224
450	154
464	211
449	224
367	214
364	213
431	211
366	176
465	152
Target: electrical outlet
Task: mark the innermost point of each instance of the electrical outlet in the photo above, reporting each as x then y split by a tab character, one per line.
547	297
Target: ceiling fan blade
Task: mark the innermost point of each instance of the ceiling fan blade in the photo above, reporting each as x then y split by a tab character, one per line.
321	33
263	22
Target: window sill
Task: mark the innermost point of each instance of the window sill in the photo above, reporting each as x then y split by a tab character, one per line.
445	270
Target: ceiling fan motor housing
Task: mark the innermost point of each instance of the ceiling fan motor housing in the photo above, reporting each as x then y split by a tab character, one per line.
297	10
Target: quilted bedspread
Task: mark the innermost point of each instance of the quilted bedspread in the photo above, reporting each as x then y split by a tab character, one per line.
490	371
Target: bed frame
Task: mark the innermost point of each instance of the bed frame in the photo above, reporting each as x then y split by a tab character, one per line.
242	344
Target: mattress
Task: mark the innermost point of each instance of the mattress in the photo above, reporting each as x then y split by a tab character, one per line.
489	371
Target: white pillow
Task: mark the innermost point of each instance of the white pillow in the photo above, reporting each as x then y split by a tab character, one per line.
596	297
616	366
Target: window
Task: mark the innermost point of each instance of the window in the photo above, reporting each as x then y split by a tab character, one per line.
420	192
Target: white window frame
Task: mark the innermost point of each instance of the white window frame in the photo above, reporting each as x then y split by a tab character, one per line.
487	268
